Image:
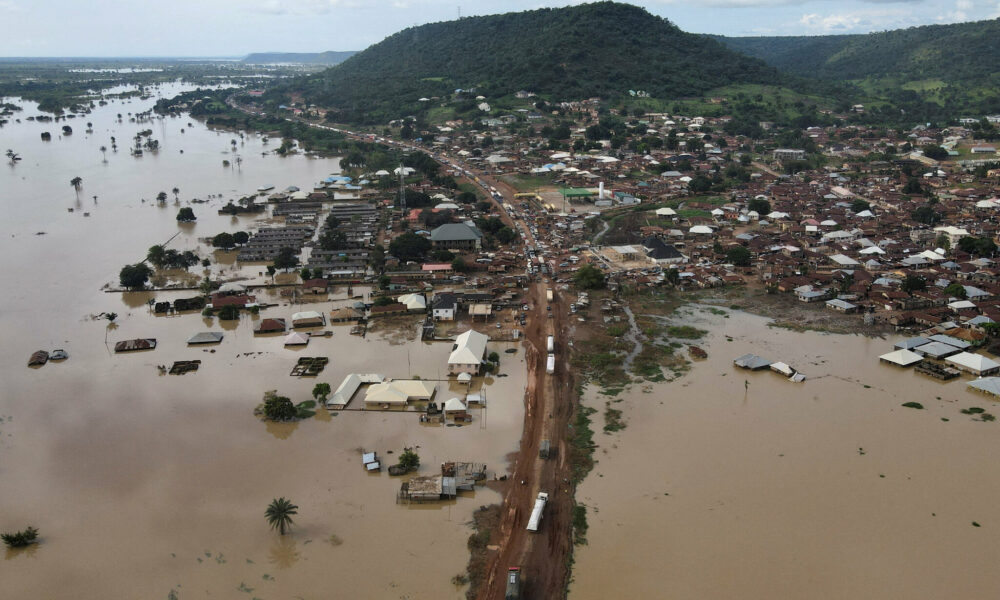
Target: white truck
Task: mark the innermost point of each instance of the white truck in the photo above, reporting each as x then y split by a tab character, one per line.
550	364
550	344
548	291
536	513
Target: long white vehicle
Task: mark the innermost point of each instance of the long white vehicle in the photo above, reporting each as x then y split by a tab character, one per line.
536	513
550	364
550	344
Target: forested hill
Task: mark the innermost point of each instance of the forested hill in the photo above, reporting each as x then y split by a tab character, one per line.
964	52
600	49
318	58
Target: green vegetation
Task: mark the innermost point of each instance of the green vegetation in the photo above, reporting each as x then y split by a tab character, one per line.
580	525
278	408
279	514
186	215
20	539
612	419
410	246
589	277
134	277
552	52
685	332
581	444
928	71
286	259
915	405
321	391
409	459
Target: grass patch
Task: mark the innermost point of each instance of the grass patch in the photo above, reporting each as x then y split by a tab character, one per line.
616	330
580	524
974	410
581	444
685	332
484	521
612	419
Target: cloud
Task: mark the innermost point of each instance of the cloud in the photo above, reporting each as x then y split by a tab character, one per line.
9	6
861	21
766	3
300	7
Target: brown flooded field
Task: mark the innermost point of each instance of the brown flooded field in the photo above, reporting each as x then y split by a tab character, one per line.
731	484
143	483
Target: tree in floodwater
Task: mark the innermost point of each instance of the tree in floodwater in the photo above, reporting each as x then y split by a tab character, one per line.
176	191
76	182
279	514
134	277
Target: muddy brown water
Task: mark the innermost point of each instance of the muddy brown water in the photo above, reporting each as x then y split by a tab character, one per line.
731	484
143	483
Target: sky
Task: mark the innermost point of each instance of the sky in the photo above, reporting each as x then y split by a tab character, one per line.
237	27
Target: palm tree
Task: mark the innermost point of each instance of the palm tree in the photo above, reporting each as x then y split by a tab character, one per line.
76	182
175	192
279	514
104	153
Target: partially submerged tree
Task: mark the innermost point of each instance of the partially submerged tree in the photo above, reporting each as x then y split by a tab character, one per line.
134	277
20	539
321	391
279	514
409	459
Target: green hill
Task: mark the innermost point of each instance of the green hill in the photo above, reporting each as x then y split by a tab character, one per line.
329	57
964	52
602	49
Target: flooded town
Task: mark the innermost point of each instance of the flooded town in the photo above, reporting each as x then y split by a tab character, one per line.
264	340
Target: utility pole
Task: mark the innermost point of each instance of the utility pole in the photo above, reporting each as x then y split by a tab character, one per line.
402	188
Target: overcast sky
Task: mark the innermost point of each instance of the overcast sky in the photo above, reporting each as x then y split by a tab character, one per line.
236	27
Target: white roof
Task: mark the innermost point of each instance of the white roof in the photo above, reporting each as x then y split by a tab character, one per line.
306	314
400	391
700	229
469	348
351	384
454	404
464	377
975	362
296	339
960	305
413	301
232	288
844	260
666	211
624	249
902	357
990	385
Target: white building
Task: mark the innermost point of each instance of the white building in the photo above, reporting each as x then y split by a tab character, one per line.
467	355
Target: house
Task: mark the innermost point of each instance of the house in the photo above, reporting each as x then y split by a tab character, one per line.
399	392
445	306
345	315
467	354
414	302
788	154
316	286
456	236
308	318
270	326
661	253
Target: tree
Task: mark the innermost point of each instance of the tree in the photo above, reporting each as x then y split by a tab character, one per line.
224	240
458	265
913	283
278	408
738	255
762	206
176	191
983	246
161	197
332	239
956	290
305	273
76	182
934	151
926	215
186	215
286	259
241	237
134	277
279	514
156	255
409	459
493	357
860	205
20	539
229	312
271	271
589	277
913	186
321	391
409	246
506	235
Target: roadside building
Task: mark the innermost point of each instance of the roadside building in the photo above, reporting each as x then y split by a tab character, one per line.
468	353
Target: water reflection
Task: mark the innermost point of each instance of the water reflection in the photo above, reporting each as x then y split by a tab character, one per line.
27	551
284	552
282	431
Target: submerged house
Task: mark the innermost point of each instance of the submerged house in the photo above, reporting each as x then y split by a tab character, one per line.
468	353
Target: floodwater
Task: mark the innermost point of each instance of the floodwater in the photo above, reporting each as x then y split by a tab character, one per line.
144	484
731	484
